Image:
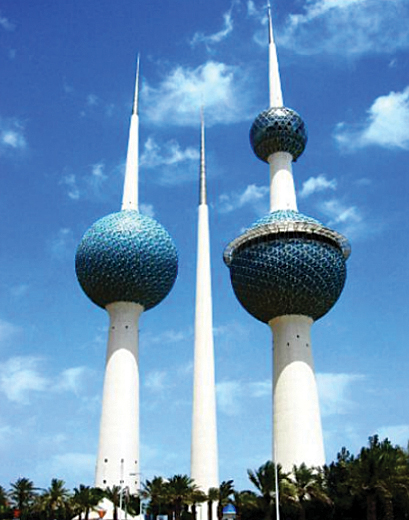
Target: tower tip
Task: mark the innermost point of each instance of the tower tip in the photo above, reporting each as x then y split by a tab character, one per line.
135	107
202	183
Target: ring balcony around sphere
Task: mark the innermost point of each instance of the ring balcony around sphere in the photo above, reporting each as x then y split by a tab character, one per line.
287	264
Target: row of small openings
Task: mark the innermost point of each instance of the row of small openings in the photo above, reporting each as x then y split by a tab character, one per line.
113	327
121	482
298	337
122	460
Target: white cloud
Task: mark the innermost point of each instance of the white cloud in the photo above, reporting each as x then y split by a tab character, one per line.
12	135
70	181
221	88
63	245
6	24
169	154
336	391
261	388
253	195
217	37
147	209
156	381
316	184
7	330
92	100
18	291
173	164
228	397
71	380
386	124
168	336
20	377
348	218
349	27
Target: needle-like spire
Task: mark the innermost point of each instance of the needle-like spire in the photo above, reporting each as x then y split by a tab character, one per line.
202	184
276	96
130	196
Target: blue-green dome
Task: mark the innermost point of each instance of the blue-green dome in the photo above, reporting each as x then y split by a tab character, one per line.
287	263
278	129
126	256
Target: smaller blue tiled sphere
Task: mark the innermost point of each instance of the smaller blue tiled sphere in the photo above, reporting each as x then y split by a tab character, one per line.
129	257
278	129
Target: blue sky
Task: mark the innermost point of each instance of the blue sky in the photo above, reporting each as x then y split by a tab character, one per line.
67	78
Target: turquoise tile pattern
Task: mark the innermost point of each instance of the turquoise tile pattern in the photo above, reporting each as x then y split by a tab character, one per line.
126	256
278	129
284	273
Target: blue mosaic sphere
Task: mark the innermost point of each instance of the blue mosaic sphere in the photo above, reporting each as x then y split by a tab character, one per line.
298	270
278	129
129	257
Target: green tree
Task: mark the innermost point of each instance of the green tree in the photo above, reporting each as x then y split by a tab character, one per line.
225	491
22	495
113	494
85	499
197	496
54	502
212	496
178	490
155	492
378	474
308	488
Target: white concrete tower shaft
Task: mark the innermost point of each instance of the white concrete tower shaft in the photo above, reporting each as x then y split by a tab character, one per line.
296	414
282	190
204	453
118	451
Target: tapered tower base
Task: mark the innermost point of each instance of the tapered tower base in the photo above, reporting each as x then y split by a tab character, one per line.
118	453
297	421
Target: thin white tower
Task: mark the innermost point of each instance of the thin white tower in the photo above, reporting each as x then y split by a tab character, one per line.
126	263
288	270
204	454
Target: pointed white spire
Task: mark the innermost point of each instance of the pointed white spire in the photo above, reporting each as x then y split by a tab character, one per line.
130	195
276	96
204	452
202	183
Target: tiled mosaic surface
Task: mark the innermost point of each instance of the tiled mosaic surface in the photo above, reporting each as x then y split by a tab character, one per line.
283	274
278	129
126	256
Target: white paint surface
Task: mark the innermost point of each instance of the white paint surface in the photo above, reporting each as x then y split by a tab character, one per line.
118	453
204	454
282	190
296	413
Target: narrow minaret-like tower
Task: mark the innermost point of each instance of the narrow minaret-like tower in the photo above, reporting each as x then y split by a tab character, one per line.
204	455
126	263
288	270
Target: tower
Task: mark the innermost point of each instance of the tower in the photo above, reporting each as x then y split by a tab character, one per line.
126	263
288	270
204	455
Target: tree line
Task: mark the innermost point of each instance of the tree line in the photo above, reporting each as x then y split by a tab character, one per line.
373	484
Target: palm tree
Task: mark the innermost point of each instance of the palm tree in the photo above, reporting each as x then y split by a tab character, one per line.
226	489
85	499
212	496
308	488
22	495
179	489
113	494
377	474
263	479
4	503
244	501
197	496
54	502
155	491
